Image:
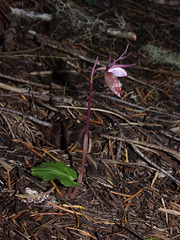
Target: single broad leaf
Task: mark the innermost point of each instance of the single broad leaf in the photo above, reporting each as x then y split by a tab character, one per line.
49	171
90	2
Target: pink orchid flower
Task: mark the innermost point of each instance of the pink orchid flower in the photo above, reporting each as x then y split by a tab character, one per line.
113	71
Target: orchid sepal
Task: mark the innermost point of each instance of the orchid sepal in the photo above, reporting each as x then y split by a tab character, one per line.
113	71
118	71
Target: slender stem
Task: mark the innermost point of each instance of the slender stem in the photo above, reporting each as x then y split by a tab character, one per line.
85	143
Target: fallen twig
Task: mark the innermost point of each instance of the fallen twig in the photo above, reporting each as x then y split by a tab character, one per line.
31	14
10	88
29	82
154	165
33	119
150	145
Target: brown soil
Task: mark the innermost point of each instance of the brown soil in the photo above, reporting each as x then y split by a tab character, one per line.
131	183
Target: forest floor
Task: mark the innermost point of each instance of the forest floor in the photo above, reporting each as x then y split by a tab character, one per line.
131	182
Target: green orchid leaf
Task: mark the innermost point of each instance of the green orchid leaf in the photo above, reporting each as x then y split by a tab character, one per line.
153	238
56	170
90	2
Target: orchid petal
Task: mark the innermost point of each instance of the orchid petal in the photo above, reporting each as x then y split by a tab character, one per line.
109	60
122	56
118	71
111	64
93	70
113	83
100	69
123	65
113	71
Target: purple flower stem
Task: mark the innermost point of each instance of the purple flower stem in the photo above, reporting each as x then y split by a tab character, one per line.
85	142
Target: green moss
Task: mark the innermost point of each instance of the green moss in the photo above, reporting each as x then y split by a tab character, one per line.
162	55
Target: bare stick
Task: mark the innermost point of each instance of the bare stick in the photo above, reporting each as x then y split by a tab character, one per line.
16	79
175	153
10	88
31	14
122	34
33	119
154	165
